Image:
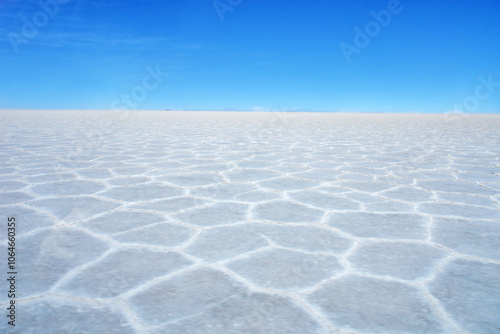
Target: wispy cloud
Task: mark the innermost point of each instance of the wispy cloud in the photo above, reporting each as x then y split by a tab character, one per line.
92	39
72	28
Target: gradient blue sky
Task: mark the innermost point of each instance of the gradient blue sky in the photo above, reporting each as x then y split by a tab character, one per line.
433	56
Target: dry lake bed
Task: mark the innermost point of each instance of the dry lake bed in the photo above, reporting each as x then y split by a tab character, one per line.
249	222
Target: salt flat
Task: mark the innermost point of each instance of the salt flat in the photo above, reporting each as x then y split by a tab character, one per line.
242	222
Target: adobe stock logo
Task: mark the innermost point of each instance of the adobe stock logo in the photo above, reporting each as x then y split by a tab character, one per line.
482	92
223	6
372	29
48	9
139	93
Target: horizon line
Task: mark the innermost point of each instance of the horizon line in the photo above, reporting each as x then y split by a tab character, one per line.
257	111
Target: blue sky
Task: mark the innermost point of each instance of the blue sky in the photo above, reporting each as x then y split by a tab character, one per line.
420	56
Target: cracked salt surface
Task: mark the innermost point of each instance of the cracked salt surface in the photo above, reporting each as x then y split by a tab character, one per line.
171	222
